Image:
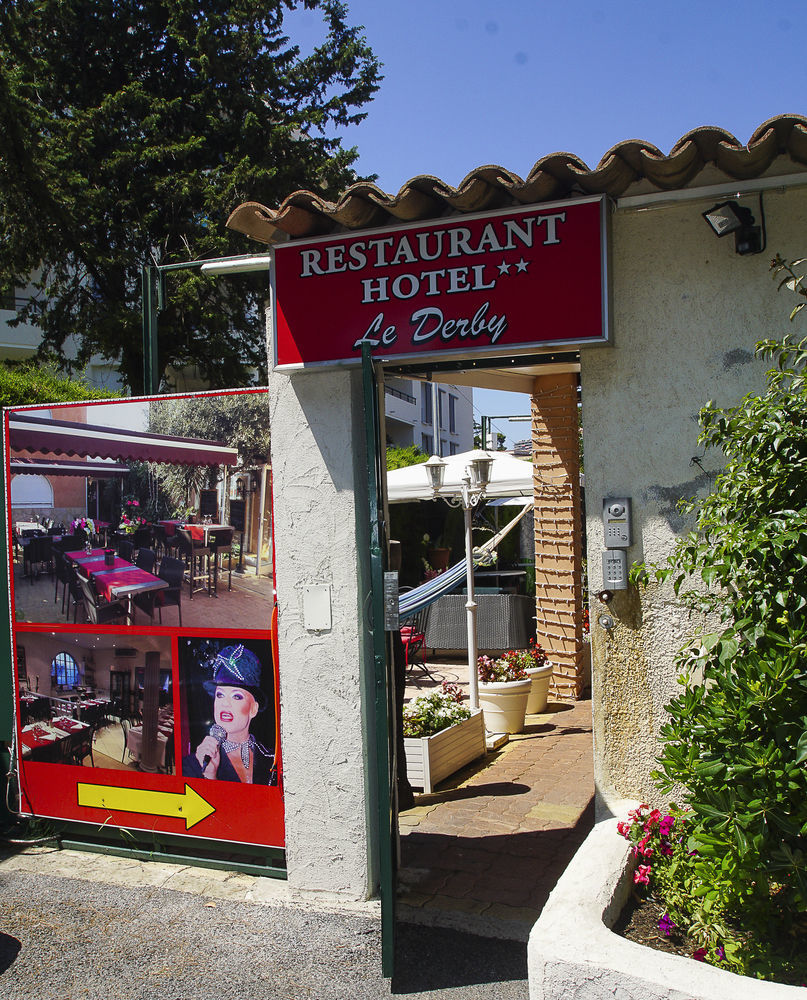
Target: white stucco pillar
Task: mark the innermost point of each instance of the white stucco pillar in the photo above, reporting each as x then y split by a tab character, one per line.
319	494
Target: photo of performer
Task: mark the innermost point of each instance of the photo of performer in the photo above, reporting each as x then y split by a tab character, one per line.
230	751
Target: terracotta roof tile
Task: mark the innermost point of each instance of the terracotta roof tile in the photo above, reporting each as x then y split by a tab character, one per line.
558	175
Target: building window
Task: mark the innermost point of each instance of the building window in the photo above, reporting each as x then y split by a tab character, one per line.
64	670
35	492
426	403
452	414
452	448
426	443
441	409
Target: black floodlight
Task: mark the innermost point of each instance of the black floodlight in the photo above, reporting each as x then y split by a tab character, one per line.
729	217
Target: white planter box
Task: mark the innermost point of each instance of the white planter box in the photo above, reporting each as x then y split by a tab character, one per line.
429	759
573	954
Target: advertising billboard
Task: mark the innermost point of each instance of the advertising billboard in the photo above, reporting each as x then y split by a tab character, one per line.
496	284
144	640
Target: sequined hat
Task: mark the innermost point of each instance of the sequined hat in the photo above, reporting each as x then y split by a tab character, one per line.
238	667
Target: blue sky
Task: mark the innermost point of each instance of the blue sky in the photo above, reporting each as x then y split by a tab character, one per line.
471	82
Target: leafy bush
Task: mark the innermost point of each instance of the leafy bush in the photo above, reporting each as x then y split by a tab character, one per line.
736	738
29	383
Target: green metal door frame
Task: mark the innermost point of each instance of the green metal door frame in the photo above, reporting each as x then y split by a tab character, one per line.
386	820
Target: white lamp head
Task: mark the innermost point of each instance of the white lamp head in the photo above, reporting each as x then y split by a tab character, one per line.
481	464
435	470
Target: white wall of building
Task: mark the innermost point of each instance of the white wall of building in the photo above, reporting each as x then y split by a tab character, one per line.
410	415
687	311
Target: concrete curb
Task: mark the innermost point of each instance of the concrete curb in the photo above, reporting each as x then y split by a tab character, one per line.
572	954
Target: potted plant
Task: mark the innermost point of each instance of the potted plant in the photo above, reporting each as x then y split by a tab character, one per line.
437	557
504	688
441	735
539	670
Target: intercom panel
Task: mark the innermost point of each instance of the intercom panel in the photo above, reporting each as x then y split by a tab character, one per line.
616	522
615	569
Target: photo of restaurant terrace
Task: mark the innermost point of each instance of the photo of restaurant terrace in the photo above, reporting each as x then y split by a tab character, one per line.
123	514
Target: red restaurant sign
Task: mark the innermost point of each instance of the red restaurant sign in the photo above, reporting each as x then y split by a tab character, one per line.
495	284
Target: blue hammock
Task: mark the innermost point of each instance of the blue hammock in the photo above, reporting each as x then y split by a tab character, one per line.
427	593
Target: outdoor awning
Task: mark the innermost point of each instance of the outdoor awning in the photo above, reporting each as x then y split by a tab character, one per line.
65	467
509	477
63	437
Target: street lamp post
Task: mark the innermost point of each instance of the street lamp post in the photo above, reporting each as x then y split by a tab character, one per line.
472	490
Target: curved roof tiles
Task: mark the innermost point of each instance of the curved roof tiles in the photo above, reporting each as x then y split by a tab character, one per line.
558	175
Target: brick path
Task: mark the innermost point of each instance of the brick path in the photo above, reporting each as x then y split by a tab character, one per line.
484	851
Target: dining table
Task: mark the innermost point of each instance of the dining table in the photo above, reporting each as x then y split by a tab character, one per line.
40	741
121	580
134	742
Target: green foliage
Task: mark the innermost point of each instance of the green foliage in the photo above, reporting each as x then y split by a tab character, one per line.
401	457
240	420
28	383
131	129
736	738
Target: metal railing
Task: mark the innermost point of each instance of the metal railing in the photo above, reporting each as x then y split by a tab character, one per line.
400	395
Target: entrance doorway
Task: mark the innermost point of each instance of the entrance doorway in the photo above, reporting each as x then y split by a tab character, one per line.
487	845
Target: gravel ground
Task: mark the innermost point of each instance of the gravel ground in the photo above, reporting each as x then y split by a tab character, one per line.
70	939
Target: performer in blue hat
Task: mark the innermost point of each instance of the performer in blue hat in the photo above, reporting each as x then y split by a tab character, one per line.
230	752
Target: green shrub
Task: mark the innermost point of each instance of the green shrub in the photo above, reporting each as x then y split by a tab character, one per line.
29	383
736	738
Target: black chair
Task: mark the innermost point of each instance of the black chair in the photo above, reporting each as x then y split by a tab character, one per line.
99	613
221	545
81	746
142	537
37	555
173	572
126	549
196	556
63	573
68	543
146	559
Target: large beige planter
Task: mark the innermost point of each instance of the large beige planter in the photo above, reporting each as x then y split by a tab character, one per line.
539	692
504	704
430	759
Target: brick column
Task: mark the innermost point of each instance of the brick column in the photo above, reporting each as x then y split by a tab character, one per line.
558	530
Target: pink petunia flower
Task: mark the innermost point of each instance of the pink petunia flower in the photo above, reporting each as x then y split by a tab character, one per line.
642	875
699	954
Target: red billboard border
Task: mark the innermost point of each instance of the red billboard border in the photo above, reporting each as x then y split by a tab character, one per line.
49	799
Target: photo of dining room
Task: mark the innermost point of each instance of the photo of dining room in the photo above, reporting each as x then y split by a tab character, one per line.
102	701
152	512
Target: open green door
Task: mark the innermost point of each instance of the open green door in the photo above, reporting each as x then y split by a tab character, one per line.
386	815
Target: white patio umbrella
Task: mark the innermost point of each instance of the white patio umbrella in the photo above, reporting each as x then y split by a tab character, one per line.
509	477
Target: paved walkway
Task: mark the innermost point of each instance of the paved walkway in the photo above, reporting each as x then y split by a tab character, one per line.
483	852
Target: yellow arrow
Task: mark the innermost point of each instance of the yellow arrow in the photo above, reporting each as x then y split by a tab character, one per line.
187	805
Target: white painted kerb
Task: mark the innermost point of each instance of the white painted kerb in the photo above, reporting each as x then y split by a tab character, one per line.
572	954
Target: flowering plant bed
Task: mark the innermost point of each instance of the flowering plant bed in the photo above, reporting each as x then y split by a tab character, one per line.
690	915
440	737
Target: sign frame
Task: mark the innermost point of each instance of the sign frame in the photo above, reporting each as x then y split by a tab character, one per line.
449	353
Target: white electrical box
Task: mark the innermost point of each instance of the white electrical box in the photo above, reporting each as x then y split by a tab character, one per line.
317	607
616	522
615	569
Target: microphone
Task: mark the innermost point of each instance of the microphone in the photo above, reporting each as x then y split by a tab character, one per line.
219	734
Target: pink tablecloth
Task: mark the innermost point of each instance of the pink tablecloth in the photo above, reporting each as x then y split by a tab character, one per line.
68	725
81	555
170	526
131	578
99	565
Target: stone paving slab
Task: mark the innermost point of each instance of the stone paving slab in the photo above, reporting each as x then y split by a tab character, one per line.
484	850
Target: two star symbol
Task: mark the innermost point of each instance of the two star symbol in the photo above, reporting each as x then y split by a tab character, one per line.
522	265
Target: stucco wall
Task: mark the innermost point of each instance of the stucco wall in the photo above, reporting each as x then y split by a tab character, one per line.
687	311
317	460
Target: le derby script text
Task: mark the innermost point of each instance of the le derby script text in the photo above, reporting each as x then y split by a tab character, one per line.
410	250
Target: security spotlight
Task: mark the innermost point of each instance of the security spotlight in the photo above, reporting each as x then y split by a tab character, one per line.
729	217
